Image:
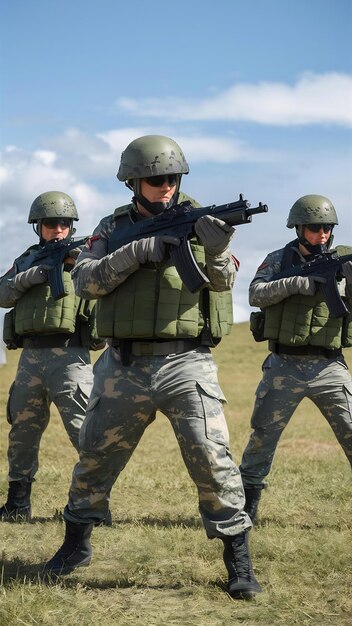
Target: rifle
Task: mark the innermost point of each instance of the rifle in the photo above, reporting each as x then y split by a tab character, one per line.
327	266
53	254
178	221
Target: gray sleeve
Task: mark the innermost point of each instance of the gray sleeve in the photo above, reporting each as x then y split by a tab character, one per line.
262	291
94	276
221	270
9	295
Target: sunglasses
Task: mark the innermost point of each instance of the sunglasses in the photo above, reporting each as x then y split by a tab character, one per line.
52	222
159	181
315	228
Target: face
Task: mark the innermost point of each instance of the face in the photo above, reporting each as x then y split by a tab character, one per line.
317	238
162	193
52	228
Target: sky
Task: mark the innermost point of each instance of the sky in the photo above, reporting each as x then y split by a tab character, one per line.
257	94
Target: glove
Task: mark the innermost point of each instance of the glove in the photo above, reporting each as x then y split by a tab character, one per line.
214	234
140	252
153	249
73	253
34	276
347	271
303	285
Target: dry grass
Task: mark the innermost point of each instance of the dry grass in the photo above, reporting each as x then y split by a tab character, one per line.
155	567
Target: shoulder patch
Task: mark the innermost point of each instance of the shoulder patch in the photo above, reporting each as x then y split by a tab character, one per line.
262	266
89	242
236	262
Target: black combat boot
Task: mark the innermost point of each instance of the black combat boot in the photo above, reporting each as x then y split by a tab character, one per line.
76	551
17	508
253	495
242	583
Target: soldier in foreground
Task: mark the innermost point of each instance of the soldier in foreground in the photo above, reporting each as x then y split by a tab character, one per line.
159	359
55	362
305	341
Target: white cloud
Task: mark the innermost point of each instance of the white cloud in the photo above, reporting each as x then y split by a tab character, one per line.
313	99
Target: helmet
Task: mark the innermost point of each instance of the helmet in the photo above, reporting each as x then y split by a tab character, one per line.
151	155
312	209
52	204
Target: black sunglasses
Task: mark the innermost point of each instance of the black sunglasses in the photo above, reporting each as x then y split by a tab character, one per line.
53	222
315	228
159	181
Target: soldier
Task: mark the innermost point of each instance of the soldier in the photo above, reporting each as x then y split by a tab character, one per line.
159	359
305	341
55	362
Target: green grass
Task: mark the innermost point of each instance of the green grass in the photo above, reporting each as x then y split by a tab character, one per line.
155	566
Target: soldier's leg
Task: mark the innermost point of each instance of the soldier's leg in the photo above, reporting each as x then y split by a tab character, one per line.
277	396
69	377
28	414
118	412
331	392
195	409
188	393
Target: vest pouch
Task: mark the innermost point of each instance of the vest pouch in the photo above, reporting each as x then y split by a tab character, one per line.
10	338
256	325
346	335
88	328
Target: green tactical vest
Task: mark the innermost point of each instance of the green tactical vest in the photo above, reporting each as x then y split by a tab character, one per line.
153	303
38	312
305	320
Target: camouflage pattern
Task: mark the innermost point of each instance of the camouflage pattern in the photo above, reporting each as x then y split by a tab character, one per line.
63	376
123	403
125	398
287	379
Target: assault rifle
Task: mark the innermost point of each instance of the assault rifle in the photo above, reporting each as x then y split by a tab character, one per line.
178	221
52	254
326	267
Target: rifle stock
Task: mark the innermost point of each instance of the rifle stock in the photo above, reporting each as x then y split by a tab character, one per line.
178	221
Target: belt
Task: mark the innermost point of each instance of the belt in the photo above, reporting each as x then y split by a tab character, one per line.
51	341
279	348
156	348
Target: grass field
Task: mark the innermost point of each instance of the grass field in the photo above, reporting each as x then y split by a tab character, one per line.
155	566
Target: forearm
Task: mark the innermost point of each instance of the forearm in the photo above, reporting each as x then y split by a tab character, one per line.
12	287
221	270
262	294
9	295
94	279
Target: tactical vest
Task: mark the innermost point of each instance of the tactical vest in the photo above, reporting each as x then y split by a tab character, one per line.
153	303
38	312
305	320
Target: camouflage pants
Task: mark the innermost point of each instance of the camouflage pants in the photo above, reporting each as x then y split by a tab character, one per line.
123	403
63	376
286	381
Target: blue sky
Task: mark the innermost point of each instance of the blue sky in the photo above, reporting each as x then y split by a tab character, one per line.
258	95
